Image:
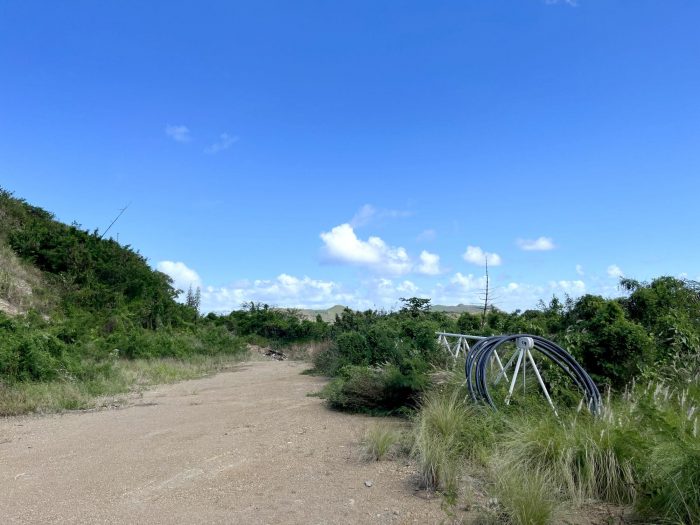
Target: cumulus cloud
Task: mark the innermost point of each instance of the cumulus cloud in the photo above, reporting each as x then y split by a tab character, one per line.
429	263
476	255
523	295
541	244
573	288
459	289
284	290
342	245
579	269
225	142
178	133
468	283
182	276
407	287
615	271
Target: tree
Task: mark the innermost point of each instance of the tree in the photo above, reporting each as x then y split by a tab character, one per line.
415	305
486	293
193	299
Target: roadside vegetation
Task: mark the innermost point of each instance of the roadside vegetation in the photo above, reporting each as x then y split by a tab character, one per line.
87	318
641	453
82	317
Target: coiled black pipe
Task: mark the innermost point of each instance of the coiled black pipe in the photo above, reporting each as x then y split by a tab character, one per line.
478	358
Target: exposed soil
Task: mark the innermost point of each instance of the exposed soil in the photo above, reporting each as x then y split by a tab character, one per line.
247	446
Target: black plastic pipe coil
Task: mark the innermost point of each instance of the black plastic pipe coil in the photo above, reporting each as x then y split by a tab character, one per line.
479	357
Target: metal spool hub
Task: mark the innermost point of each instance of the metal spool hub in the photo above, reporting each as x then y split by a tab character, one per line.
532	361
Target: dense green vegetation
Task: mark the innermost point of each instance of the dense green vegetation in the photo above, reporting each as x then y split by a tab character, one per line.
91	309
92	318
643	349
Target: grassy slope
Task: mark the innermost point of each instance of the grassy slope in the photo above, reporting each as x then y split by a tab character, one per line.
62	345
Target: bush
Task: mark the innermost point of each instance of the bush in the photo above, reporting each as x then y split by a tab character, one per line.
610	347
356	389
31	353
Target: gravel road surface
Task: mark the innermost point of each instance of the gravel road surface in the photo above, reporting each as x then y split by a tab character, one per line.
246	446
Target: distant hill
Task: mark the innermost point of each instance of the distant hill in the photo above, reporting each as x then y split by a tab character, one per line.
329	314
458	309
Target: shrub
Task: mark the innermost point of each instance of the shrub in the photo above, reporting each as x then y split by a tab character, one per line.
610	347
357	389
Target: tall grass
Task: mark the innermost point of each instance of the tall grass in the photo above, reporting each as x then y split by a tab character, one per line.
643	451
439	444
447	433
588	458
380	441
119	377
527	496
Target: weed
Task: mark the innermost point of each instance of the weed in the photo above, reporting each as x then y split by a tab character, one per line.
119	377
380	441
528	497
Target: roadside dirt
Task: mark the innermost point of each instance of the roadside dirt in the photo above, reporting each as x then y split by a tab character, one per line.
247	446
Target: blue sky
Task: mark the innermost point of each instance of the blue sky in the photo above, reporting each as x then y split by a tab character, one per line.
314	153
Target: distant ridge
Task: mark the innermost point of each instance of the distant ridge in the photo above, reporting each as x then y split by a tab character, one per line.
329	314
458	309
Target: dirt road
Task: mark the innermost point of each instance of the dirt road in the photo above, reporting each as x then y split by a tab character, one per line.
247	446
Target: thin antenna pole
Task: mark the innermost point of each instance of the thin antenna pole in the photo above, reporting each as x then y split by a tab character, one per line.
115	220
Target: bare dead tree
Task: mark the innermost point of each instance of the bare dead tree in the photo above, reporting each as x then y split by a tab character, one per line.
486	292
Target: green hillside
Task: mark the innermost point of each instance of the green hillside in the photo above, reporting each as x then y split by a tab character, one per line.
78	312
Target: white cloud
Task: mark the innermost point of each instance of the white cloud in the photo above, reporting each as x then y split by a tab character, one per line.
460	289
178	133
225	142
541	244
579	269
407	287
476	255
468	283
615	271
342	245
573	288
182	276
284	291
363	216
368	213
384	293
429	263
527	295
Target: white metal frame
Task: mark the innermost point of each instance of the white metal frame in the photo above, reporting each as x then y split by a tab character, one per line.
522	355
